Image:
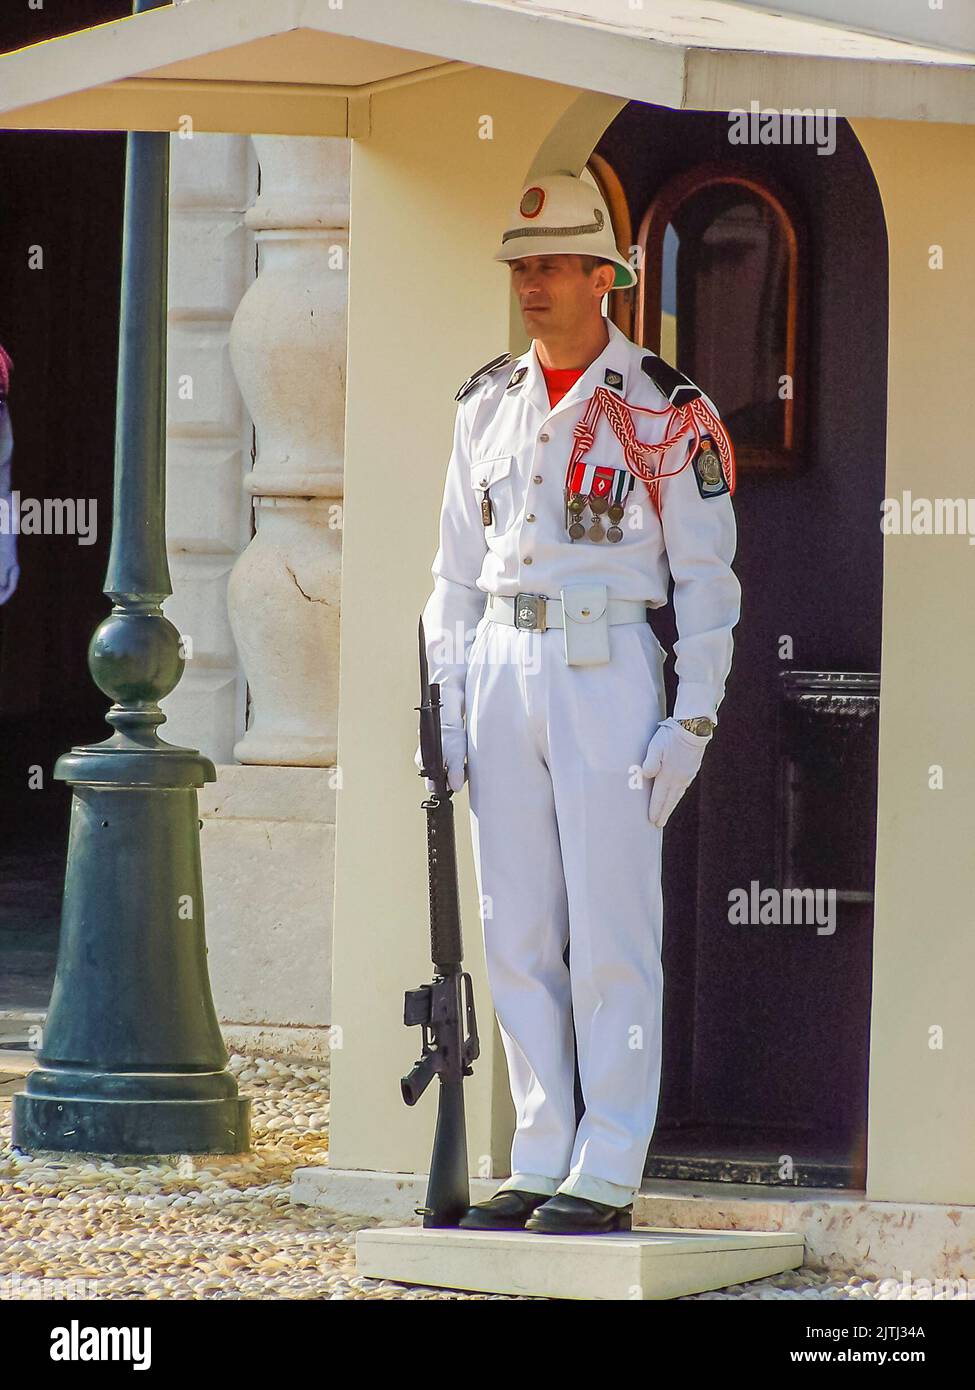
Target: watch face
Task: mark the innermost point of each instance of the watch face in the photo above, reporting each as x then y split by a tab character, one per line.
700	725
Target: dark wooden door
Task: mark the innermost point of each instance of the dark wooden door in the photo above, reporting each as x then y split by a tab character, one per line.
767	1026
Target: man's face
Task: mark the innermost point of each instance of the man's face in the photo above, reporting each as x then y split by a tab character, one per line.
556	296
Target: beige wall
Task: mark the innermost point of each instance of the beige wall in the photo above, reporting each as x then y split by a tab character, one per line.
427	305
922	1101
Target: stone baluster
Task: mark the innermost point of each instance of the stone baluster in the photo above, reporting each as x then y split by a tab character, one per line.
288	349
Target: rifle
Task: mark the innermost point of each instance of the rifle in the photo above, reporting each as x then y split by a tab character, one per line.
444	1009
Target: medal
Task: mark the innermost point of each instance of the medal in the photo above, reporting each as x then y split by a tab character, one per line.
486	513
622	485
575	505
604	488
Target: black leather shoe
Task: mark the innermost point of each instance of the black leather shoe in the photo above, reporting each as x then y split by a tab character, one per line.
507	1210
564	1215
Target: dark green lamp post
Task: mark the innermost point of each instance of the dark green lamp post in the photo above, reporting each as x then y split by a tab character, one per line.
132	1059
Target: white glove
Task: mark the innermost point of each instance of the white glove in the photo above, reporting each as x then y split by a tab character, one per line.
453	737
673	759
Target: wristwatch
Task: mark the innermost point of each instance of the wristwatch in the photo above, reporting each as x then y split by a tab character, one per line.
700	725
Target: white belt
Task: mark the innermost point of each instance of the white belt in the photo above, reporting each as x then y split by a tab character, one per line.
537	611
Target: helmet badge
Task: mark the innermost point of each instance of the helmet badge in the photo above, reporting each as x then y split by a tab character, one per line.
532	202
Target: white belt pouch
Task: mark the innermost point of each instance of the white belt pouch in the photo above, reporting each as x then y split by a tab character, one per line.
586	624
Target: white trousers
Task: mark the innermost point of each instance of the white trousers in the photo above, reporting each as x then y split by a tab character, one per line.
564	851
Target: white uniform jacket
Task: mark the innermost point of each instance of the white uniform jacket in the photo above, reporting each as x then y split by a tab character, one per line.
508	440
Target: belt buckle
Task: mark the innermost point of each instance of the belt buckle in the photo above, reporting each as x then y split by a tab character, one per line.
530	611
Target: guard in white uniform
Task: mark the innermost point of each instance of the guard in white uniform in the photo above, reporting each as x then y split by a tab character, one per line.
560	526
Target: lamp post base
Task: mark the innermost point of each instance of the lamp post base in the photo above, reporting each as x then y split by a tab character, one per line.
132	1060
70	1124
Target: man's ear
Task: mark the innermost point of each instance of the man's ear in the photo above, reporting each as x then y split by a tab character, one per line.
605	275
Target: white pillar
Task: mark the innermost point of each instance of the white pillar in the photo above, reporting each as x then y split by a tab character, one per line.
269	824
288	346
209	433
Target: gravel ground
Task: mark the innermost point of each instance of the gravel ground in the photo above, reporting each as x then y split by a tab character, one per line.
203	1227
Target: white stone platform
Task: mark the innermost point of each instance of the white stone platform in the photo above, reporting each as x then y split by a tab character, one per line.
842	1231
651	1263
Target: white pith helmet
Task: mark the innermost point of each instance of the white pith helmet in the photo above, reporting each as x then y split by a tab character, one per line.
560	214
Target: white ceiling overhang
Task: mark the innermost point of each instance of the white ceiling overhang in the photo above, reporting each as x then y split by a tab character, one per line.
308	66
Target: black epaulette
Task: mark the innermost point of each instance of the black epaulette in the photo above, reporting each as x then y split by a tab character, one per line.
495	364
671	383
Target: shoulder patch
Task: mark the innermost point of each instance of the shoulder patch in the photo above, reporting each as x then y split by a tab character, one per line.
495	364
678	388
708	473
